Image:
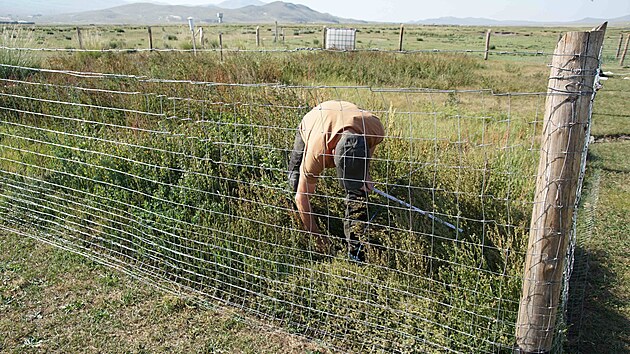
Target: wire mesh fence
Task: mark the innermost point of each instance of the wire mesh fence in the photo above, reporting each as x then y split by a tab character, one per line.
183	183
583	301
191	193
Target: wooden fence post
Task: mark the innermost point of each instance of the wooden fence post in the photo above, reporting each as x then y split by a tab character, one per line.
282	34
324	30
257	36
221	44
150	38
619	45
79	36
571	90
485	55
201	37
402	33
275	37
191	26
625	50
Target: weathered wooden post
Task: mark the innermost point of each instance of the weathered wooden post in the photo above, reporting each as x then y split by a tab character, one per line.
574	67
191	26
619	45
275	36
150	38
257	36
221	44
485	55
625	50
201	37
79	36
402	33
324	29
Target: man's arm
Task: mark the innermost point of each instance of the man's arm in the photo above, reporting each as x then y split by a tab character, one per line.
303	204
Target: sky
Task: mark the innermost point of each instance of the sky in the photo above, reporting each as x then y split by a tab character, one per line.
411	10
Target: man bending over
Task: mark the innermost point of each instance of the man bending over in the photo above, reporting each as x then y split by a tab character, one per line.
336	134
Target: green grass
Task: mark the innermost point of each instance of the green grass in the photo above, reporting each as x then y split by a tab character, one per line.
16	37
600	304
610	113
441	290
55	301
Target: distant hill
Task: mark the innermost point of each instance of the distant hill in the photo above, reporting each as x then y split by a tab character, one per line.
475	21
237	4
472	21
145	13
617	21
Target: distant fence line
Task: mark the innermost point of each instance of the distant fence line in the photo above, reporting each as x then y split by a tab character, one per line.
236	50
485	49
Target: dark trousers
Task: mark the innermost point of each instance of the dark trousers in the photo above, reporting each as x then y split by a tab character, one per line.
351	161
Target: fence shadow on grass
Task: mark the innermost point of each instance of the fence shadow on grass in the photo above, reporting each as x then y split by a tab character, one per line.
593	324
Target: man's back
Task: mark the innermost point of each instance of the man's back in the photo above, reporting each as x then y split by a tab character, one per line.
322	127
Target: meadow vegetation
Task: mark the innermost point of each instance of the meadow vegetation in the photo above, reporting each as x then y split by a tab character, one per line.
183	183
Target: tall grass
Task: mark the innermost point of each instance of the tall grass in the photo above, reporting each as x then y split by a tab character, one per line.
16	37
438	71
206	206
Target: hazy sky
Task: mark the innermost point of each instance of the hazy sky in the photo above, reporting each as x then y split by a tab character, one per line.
409	10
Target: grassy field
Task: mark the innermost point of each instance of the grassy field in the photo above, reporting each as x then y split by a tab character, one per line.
458	293
56	301
295	36
601	306
503	41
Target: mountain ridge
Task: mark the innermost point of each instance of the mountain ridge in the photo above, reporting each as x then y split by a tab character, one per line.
234	11
147	13
237	4
479	21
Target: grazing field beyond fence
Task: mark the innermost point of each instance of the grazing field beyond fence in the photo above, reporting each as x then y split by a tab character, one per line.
172	167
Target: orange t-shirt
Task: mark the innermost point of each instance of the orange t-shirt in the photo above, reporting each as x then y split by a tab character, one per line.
322	127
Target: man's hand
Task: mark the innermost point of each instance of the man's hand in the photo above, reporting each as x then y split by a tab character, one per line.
368	186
